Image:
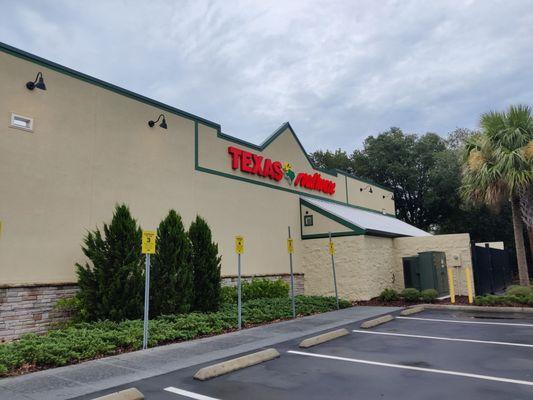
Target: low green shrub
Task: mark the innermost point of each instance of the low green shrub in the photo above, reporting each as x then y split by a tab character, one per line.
429	295
258	288
84	341
516	290
479	301
228	294
505	300
411	294
73	307
389	295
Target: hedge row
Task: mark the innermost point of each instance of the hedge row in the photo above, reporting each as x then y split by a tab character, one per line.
514	295
409	294
90	340
258	288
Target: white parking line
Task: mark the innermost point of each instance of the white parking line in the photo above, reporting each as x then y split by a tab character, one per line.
188	394
400	366
466	322
444	338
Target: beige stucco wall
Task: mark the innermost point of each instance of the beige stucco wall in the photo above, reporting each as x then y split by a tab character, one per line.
453	245
363	264
91	148
380	199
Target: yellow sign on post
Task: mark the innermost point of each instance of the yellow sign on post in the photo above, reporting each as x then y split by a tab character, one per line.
331	248
148	242
290	246
239	244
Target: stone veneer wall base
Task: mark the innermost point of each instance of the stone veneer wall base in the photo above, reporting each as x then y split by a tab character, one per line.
30	309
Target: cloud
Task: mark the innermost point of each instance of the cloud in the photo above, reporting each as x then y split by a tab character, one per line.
338	70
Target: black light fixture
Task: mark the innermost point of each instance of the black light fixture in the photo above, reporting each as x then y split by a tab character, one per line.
163	123
391	196
37	83
367	187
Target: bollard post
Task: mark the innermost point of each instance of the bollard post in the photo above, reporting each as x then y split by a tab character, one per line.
469	285
451	285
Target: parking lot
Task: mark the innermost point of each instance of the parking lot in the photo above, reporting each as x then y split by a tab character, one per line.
433	354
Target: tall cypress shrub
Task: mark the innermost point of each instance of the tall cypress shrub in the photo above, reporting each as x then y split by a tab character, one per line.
112	282
171	284
206	265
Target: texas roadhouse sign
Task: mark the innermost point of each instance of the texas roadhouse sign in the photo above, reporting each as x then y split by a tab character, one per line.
255	164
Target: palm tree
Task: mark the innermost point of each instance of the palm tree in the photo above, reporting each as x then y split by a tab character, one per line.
499	166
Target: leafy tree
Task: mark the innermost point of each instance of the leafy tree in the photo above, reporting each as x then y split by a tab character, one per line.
206	266
332	160
420	171
172	273
457	139
112	284
445	210
497	168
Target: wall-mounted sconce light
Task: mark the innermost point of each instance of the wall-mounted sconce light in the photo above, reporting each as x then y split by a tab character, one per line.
37	83
367	187
391	196
163	123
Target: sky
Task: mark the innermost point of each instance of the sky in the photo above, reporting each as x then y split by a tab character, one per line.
338	71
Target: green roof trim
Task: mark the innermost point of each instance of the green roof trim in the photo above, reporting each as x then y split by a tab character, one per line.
165	107
357	230
326	235
98	82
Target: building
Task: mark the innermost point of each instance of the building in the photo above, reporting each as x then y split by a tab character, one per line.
71	152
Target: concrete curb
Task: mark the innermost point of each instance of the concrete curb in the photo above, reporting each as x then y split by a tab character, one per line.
325	337
476	308
235	364
377	321
128	394
412	310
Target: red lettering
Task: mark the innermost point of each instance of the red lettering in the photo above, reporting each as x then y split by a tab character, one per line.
246	162
257	164
298	179
267	168
277	172
235	156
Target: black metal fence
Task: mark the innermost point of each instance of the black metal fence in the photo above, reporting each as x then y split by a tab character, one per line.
493	269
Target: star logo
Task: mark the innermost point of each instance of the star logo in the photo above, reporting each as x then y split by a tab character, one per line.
288	173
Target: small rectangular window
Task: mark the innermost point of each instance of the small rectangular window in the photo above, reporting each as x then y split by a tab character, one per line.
21	122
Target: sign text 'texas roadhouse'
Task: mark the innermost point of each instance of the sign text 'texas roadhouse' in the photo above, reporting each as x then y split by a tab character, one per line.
258	165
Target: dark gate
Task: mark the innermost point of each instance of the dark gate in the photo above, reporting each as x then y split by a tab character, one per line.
493	271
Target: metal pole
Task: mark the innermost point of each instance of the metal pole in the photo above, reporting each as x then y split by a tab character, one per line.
239	305
334	275
146	301
292	281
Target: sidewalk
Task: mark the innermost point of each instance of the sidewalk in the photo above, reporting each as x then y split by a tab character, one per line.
91	376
